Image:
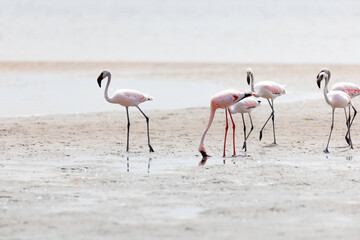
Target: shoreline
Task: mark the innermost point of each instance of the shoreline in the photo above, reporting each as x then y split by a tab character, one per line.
61	170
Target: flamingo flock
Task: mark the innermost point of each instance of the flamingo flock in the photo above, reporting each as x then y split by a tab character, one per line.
239	101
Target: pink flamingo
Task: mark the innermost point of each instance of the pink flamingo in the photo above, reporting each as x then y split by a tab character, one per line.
223	100
245	106
269	90
127	98
352	90
336	99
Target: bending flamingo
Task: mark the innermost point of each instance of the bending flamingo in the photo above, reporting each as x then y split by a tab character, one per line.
351	89
336	99
127	98
245	106
223	100
268	90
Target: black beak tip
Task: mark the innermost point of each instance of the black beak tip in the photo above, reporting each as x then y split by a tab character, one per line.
99	80
203	153
318	82
248	79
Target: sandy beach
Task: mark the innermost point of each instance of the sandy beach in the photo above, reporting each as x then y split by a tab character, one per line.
68	176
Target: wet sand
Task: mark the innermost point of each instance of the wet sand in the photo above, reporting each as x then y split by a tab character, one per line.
68	176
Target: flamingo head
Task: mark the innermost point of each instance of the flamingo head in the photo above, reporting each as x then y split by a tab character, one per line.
249	75
321	76
102	75
203	152
247	94
324	70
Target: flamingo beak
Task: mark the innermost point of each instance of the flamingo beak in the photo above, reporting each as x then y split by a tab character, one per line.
100	78
319	81
203	153
248	79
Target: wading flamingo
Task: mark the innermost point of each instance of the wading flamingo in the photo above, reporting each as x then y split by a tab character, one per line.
336	99
223	100
351	89
127	98
268	90
245	106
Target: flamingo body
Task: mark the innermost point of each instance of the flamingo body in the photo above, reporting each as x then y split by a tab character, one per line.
130	98
351	89
338	99
245	106
226	98
269	89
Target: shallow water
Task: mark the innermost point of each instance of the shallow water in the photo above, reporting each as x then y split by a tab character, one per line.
36	168
41	94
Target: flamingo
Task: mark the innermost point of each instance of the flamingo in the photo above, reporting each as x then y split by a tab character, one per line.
268	90
245	106
223	100
336	99
127	98
351	89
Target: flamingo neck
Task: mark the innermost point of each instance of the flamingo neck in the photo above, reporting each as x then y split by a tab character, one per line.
326	91
106	92
252	83
211	118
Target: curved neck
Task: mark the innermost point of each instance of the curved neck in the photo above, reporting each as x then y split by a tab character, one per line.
252	83
211	118
326	91
106	93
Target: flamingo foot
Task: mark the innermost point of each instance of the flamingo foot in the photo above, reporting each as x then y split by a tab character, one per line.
326	151
347	140
150	148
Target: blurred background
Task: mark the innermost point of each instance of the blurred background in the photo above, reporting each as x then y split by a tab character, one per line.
51	51
255	31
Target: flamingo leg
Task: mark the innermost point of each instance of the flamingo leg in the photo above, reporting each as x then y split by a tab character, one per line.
352	120
147	124
128	129
233	125
244	146
332	126
273	119
252	127
226	130
347	125
272	113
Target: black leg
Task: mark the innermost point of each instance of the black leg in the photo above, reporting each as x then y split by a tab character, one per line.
273	119
226	130
347	125
272	113
352	120
147	124
244	146
332	126
252	127
128	129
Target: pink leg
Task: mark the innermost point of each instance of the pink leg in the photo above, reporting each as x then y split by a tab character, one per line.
233	124
226	130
